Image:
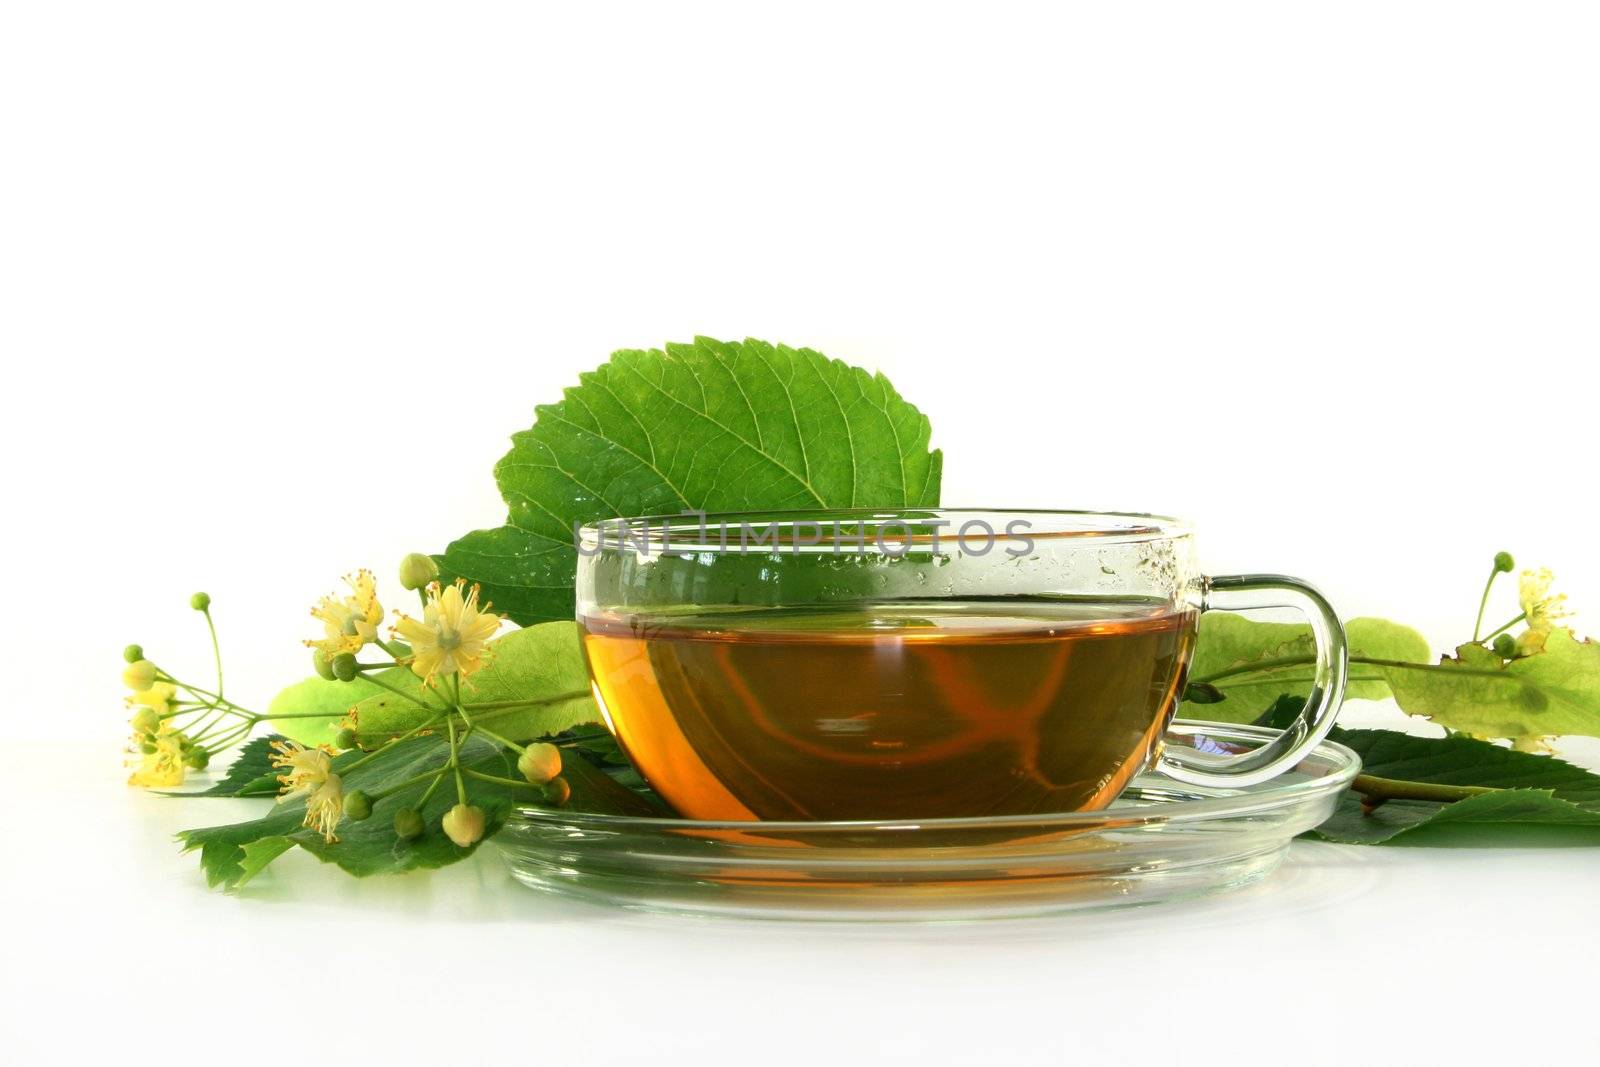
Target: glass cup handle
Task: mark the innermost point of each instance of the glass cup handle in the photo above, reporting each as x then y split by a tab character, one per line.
1237	592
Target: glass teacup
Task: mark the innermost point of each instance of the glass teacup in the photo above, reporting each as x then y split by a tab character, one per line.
916	663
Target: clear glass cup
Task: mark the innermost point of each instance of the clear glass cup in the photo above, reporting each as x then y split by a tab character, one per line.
918	663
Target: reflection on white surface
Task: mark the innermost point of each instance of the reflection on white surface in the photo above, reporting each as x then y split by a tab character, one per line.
111	905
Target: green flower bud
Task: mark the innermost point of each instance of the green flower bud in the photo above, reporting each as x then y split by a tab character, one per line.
147	747
200	601
345	739
357	804
319	660
344	667
408	823
417	570
1504	563
540	763
557	792
1505	646
463	824
133	654
197	758
146	721
139	675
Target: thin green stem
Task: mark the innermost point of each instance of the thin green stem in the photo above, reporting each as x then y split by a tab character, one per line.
503	742
1503	628
504	705
201	734
417	729
228	740
295	715
203	709
581	738
455	763
471	724
480	776
1370	661
386	744
216	649
402	693
409	782
214	699
205	723
386	646
427	794
369	757
1483	601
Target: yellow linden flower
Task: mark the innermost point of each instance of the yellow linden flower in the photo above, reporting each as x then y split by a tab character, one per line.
452	635
351	623
159	697
310	775
150	707
161	768
1542	609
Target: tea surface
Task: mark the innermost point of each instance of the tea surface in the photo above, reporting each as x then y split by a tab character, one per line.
894	710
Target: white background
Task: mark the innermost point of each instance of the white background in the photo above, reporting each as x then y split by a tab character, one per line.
278	281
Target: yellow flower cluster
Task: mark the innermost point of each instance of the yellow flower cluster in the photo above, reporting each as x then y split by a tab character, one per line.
160	748
452	636
161	760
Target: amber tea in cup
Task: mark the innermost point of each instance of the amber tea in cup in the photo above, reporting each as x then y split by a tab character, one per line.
894	666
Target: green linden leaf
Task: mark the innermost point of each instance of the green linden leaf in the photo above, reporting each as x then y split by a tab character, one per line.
1227	642
1539	792
233	854
316	706
251	773
601	792
716	426
542	664
1556	691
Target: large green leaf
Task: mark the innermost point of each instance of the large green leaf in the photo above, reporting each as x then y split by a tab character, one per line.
600	791
1536	791
1227	644
251	773
540	664
310	710
1556	691
232	854
714	426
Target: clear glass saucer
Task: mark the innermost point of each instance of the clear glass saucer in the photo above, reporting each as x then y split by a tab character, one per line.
1159	841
